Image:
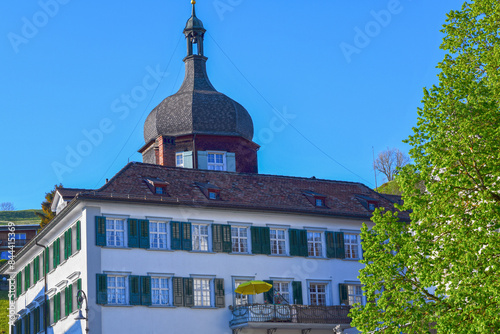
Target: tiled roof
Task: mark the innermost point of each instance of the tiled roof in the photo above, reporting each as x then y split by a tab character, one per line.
238	191
70	193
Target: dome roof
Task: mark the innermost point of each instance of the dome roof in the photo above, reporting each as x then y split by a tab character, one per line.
197	108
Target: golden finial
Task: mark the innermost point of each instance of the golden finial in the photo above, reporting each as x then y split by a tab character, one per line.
193	2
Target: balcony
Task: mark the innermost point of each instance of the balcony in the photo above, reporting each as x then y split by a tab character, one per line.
269	316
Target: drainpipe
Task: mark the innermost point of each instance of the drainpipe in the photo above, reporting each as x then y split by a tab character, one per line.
45	306
195	154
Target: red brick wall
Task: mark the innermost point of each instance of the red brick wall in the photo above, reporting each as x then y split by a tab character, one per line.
245	150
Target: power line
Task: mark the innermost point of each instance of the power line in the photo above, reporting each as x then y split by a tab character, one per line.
145	110
283	118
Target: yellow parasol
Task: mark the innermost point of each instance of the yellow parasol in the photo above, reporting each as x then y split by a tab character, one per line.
253	287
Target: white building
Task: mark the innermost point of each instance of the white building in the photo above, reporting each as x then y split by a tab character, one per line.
161	247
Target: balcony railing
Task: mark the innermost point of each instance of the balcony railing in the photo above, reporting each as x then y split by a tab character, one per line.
310	314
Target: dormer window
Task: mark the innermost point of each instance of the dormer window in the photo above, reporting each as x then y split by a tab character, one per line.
371	206
318	200
157	186
369	203
211	191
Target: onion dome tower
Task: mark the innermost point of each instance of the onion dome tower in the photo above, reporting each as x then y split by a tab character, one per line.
199	127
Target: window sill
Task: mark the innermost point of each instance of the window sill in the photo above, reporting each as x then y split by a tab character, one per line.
162	306
352	260
113	247
279	255
241	254
159	249
74	254
117	305
204	252
205	307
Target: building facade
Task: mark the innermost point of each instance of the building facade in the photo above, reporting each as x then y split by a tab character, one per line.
161	247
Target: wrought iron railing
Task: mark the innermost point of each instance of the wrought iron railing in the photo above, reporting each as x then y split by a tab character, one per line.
290	313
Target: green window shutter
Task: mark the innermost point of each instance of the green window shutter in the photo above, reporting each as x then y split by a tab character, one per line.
187	244
66	245
27	277
339	245
344	295
188	292
102	289
303	243
46	260
54	257
330	245
293	241
256	242
36	320
188	159
133	233
78	288
178	287
202	160
100	231
36	270
297	292
57	251
176	242
220	300
78	236
135	290
269	295
227	245
70	299
70	242
144	233
58	306
265	239
66	295
217	238
231	162
146	290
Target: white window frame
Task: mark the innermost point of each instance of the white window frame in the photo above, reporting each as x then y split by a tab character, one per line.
280	284
241	239
214	165
208	236
202	291
321	253
348	246
124	232
166	233
276	240
168	289
352	293
177	155
236	296
327	284
125	288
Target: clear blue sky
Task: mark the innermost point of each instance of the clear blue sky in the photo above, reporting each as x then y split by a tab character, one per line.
348	75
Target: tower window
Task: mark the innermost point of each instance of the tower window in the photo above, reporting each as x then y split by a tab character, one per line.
216	161
179	160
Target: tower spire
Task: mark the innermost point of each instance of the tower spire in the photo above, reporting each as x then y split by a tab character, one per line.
195	33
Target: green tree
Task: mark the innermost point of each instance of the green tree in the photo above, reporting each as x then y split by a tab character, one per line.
47	214
441	269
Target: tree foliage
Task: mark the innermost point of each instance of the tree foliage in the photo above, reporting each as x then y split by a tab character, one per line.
47	214
441	269
7	206
390	161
